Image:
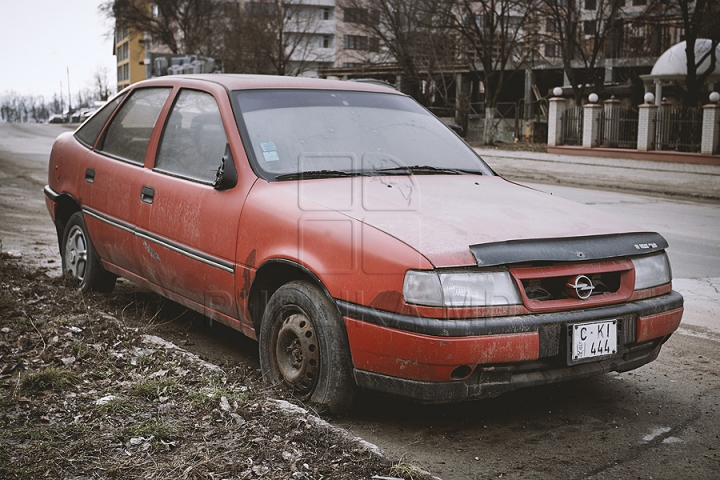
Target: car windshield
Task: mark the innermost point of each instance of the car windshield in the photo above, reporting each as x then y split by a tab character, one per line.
317	133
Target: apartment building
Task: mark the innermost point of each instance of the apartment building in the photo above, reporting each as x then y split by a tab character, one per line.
129	50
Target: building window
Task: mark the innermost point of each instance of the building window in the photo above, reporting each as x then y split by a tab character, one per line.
123	52
553	50
590	4
121	33
514	22
325	41
123	72
354	15
374	45
550	25
259	9
351	65
325	13
590	27
355	42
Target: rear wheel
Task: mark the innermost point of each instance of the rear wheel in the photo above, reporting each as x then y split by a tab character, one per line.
304	347
79	260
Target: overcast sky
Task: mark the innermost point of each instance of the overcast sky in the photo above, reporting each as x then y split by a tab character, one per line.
41	39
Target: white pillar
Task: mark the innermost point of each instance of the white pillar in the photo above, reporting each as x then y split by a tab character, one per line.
710	129
558	105
647	112
591	125
612	124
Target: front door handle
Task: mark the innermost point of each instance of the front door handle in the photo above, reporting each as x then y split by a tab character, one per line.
90	175
148	194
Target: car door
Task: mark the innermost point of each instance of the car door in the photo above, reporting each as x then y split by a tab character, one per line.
113	174
188	230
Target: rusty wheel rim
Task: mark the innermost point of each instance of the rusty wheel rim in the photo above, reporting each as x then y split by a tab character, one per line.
296	352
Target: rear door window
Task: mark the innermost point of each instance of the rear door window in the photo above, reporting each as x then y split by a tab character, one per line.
89	131
194	139
128	134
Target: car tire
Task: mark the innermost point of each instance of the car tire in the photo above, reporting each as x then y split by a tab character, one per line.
79	260
304	347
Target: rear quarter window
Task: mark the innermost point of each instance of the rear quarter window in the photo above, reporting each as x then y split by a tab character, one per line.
88	133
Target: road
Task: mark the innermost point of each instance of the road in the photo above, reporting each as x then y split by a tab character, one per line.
660	421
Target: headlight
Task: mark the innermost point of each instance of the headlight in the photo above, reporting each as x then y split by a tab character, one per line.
465	289
651	270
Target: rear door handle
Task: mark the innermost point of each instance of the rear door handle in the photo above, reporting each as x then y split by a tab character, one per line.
90	175
148	194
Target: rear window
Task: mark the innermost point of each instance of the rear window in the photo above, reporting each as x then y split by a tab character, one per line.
88	133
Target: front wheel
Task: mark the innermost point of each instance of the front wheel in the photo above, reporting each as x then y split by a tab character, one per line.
304	347
79	260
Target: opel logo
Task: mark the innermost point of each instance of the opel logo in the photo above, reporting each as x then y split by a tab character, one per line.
580	287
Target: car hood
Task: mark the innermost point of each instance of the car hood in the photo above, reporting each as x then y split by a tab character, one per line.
442	215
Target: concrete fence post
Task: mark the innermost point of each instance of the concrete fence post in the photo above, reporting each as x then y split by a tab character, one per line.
647	113
556	111
591	125
611	129
710	129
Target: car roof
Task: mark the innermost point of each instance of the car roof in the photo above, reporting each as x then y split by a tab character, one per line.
254	82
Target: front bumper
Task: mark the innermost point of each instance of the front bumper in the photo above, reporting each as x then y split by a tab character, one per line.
439	360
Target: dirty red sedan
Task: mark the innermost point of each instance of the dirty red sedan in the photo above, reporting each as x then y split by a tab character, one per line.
359	240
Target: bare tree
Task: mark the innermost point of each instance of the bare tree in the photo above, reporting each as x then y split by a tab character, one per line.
24	108
580	40
412	35
281	34
700	20
183	26
500	38
102	89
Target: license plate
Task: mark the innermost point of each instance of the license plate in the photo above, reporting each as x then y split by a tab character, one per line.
593	339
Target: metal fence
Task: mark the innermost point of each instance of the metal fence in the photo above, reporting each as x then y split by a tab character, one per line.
679	129
572	126
619	128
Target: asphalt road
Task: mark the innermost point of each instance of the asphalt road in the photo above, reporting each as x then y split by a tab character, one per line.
660	421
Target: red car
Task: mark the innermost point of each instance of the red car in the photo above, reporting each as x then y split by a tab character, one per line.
359	240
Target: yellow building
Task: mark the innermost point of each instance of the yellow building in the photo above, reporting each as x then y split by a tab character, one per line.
130	55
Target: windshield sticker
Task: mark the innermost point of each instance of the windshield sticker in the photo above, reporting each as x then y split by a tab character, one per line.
268	147
271	156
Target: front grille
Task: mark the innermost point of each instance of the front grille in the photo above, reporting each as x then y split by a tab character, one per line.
554	288
578	285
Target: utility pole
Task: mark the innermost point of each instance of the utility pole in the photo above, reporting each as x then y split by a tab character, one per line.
69	97
62	102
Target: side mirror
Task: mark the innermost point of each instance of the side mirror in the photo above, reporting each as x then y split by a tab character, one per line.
457	129
226	176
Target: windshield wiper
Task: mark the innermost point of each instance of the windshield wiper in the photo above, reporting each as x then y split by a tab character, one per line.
423	169
317	174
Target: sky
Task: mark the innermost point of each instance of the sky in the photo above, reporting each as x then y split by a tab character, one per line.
41	39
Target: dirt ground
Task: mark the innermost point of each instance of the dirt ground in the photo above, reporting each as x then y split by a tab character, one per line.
88	391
